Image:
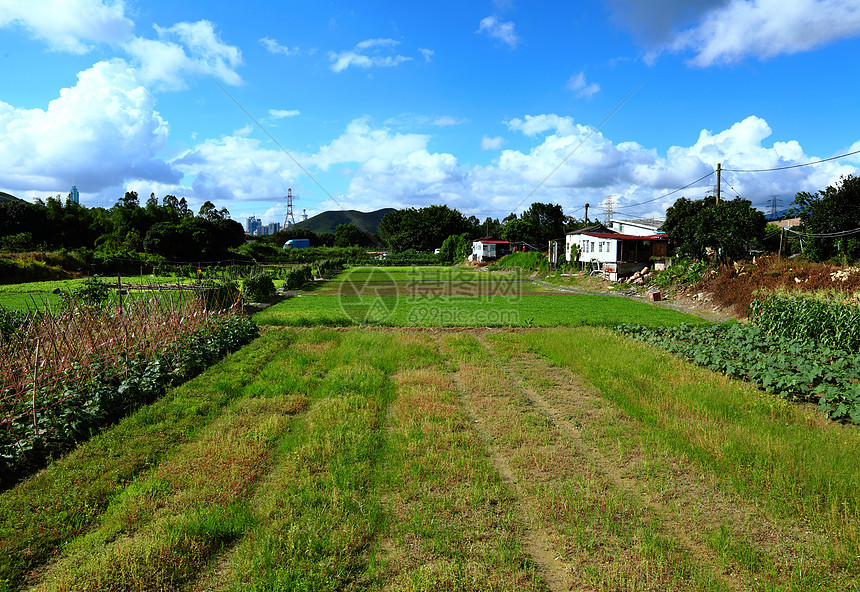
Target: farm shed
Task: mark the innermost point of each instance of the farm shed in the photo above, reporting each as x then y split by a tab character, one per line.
489	248
614	254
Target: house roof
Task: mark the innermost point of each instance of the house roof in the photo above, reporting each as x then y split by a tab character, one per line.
492	241
619	236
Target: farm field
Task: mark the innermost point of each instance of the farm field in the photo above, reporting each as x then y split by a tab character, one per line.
446	297
428	459
35	295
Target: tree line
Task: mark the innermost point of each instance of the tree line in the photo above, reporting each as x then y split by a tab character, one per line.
168	229
727	229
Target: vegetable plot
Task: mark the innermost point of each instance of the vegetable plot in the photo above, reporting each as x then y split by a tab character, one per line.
794	369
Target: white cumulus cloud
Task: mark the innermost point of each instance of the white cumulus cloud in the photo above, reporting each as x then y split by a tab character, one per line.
183	50
488	143
98	133
503	31
581	87
767	28
69	25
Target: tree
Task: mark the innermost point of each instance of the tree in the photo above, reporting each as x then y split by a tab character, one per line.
727	227
539	224
455	248
349	235
209	212
422	229
832	210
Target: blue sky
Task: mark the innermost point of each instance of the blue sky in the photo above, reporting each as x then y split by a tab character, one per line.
485	106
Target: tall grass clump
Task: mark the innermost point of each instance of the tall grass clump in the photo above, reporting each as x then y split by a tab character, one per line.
66	374
532	261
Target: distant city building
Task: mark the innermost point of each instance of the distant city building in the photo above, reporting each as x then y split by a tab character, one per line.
74	196
271	228
254	226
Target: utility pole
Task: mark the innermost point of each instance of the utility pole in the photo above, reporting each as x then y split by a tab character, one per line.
586	213
781	236
719	169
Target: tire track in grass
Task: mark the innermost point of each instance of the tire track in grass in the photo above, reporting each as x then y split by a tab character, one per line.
454	523
599	536
671	453
317	513
582	402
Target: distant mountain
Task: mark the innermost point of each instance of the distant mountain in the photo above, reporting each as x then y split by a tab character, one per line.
4	197
329	221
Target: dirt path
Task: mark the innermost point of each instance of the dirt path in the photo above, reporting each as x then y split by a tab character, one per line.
709	315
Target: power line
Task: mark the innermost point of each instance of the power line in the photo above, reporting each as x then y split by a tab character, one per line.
641	203
837	234
793	166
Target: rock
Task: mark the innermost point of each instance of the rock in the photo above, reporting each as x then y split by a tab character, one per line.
655	296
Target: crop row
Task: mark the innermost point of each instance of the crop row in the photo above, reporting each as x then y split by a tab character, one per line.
794	369
830	323
67	375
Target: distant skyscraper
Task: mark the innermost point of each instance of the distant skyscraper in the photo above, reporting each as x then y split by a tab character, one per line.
254	226
74	195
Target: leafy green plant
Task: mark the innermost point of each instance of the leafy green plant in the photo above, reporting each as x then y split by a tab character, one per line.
93	292
259	288
793	369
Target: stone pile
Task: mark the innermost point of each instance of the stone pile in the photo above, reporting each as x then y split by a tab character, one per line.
638	278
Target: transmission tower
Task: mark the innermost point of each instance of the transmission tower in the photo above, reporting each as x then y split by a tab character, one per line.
608	209
774	203
291	219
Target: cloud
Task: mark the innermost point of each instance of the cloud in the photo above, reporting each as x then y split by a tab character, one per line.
98	133
579	86
767	28
427	53
183	50
69	25
283	113
358	56
728	31
502	31
488	143
272	46
447	121
362	143
532	125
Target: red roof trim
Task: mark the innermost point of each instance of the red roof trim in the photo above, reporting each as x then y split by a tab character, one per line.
492	241
618	236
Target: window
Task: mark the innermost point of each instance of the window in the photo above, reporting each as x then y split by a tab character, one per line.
600	247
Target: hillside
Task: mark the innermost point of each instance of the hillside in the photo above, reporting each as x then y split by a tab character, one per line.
329	221
5	197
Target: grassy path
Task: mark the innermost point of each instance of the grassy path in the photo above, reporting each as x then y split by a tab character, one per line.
421	460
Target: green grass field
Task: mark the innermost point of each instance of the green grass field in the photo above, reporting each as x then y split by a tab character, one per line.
425	458
442	297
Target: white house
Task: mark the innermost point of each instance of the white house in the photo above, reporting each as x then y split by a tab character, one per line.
613	253
489	248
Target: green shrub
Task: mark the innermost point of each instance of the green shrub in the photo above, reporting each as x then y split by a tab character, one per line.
531	261
259	288
682	271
